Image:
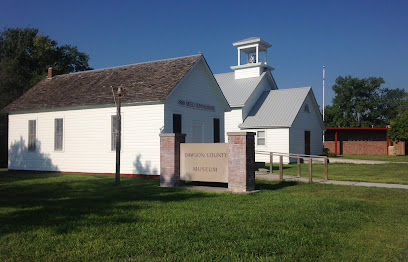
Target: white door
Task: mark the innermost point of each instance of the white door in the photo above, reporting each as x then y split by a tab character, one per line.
198	132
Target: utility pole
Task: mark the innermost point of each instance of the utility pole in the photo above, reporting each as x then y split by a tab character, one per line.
324	69
118	135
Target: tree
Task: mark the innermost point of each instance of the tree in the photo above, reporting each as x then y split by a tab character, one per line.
393	103
355	102
364	103
26	55
399	128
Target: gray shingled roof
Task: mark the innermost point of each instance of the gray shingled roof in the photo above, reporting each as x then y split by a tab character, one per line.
276	108
237	91
150	81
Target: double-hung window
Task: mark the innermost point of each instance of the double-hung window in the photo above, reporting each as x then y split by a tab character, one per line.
32	133
113	132
260	138
58	133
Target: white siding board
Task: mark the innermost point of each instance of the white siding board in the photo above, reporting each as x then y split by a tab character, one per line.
87	132
306	122
247	72
87	141
276	141
198	86
232	120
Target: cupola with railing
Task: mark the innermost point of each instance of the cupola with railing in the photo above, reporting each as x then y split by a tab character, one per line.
252	57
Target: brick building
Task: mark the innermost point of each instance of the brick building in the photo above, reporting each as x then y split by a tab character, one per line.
361	140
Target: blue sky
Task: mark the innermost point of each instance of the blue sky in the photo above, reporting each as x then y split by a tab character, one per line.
358	38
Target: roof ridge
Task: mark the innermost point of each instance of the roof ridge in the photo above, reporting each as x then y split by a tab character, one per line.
288	89
121	66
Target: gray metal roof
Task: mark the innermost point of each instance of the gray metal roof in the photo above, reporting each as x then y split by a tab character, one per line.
276	108
237	91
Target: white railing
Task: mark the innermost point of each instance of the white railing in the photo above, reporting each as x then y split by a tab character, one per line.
298	157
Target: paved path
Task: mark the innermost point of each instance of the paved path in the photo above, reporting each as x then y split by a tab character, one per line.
360	161
268	176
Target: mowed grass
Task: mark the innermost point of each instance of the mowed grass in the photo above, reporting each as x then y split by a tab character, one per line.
71	217
376	157
392	173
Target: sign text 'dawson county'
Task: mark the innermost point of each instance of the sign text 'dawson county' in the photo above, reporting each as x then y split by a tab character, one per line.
204	162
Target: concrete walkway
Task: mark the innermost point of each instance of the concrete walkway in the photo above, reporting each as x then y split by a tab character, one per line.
360	161
267	176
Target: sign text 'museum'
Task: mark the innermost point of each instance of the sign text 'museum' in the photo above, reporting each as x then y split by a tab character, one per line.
204	162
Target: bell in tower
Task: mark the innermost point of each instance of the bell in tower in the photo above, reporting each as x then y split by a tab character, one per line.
251	47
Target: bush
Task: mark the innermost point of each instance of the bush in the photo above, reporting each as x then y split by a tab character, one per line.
326	151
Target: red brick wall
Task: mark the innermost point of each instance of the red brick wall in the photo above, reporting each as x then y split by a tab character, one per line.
330	145
358	147
241	161
170	159
399	148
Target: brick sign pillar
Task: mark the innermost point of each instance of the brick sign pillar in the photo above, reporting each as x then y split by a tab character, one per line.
170	159
241	161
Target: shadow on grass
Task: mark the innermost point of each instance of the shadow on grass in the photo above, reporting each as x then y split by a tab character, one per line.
65	202
10	175
276	167
265	185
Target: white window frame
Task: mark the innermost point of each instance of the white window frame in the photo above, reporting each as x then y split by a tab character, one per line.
110	132
258	137
34	149
63	135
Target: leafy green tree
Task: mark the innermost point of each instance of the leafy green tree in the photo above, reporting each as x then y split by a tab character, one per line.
26	55
355	103
399	128
393	103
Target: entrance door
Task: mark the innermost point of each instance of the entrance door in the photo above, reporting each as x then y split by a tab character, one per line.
307	142
198	132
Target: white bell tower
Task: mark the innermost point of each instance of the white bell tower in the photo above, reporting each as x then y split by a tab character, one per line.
253	67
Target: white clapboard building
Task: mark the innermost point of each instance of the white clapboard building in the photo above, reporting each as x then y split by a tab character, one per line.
285	120
67	122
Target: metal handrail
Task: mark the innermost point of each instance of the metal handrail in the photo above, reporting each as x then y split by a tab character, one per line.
298	156
288	154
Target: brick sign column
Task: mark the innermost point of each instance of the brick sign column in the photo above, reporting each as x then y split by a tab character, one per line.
241	161
170	159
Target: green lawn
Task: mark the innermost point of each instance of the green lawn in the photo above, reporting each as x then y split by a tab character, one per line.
380	173
376	157
71	217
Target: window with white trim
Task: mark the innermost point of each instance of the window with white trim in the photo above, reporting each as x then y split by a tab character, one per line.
260	138
113	132
58	133
32	133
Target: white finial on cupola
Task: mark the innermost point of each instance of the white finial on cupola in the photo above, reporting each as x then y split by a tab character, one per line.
253	67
